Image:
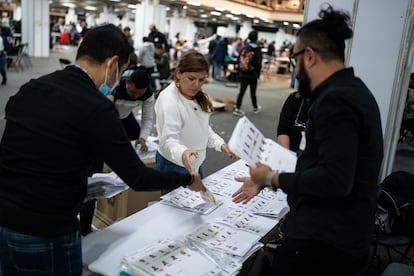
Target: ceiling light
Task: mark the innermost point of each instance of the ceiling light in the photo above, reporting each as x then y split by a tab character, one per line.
193	3
256	21
69	5
285	23
219	9
215	13
296	25
229	15
234	12
204	15
131	6
90	8
250	15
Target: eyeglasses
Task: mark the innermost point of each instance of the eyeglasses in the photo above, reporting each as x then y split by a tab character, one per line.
292	57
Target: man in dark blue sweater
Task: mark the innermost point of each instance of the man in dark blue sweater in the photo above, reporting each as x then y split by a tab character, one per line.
57	125
332	193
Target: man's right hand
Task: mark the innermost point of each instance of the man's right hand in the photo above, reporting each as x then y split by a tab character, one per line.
197	185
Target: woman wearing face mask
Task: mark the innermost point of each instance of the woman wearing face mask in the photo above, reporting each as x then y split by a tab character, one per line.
182	114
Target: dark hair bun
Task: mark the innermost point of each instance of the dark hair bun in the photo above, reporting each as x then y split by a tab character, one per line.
336	23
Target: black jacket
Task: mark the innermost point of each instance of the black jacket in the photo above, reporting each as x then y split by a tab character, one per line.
56	127
332	194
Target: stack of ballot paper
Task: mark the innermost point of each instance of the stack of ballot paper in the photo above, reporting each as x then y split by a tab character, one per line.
152	148
191	201
250	145
105	185
168	257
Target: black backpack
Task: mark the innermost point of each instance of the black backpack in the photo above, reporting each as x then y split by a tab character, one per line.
396	196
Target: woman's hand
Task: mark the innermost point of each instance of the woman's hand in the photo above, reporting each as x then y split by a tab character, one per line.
187	158
225	149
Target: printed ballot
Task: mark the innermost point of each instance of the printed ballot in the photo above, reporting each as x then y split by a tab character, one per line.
251	146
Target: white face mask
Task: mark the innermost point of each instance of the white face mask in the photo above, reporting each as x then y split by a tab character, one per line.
104	88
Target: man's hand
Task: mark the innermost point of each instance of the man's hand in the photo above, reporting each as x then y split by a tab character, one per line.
141	141
197	185
187	159
247	191
258	174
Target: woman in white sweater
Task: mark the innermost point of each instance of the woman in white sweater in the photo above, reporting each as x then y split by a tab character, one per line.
182	114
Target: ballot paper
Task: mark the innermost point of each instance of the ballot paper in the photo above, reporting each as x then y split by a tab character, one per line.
105	185
250	145
224	238
152	148
208	197
168	257
189	200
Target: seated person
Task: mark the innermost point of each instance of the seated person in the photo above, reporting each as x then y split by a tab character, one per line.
132	92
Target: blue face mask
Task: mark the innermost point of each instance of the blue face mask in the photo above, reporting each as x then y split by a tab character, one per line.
104	88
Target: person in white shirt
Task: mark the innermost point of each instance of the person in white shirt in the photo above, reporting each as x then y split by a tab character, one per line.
182	113
132	93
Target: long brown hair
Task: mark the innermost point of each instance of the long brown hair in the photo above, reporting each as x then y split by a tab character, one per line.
193	61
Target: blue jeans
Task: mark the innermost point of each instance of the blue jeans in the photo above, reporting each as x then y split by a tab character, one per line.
26	255
163	164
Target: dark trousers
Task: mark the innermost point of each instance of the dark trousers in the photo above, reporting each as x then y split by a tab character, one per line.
131	126
244	82
310	258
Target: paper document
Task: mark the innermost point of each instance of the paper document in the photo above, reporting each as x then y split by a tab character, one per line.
189	200
105	185
168	257
251	146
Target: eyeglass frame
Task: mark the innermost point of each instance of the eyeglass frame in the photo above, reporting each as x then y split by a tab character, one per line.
292	57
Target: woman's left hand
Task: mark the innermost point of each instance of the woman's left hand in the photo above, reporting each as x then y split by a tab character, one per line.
225	149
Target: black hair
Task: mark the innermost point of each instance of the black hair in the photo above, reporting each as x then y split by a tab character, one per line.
103	42
327	35
140	78
253	36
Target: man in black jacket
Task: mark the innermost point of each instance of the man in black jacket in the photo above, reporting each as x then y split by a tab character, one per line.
57	125
332	193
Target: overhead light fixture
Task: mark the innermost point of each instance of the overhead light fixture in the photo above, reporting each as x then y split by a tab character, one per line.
256	21
219	9
286	23
204	15
131	6
296	25
90	8
250	15
235	13
115	0
193	3
229	15
69	5
215	13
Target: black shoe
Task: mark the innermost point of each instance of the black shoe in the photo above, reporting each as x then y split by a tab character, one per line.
4	82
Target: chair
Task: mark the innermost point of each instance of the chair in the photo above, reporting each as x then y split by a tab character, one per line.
398	269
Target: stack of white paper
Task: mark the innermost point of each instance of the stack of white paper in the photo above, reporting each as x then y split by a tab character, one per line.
189	200
105	185
152	149
168	257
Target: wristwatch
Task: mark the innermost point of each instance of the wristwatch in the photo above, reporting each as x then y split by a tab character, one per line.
268	181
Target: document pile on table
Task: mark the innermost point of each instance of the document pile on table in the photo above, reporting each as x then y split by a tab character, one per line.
152	148
191	201
168	257
105	185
